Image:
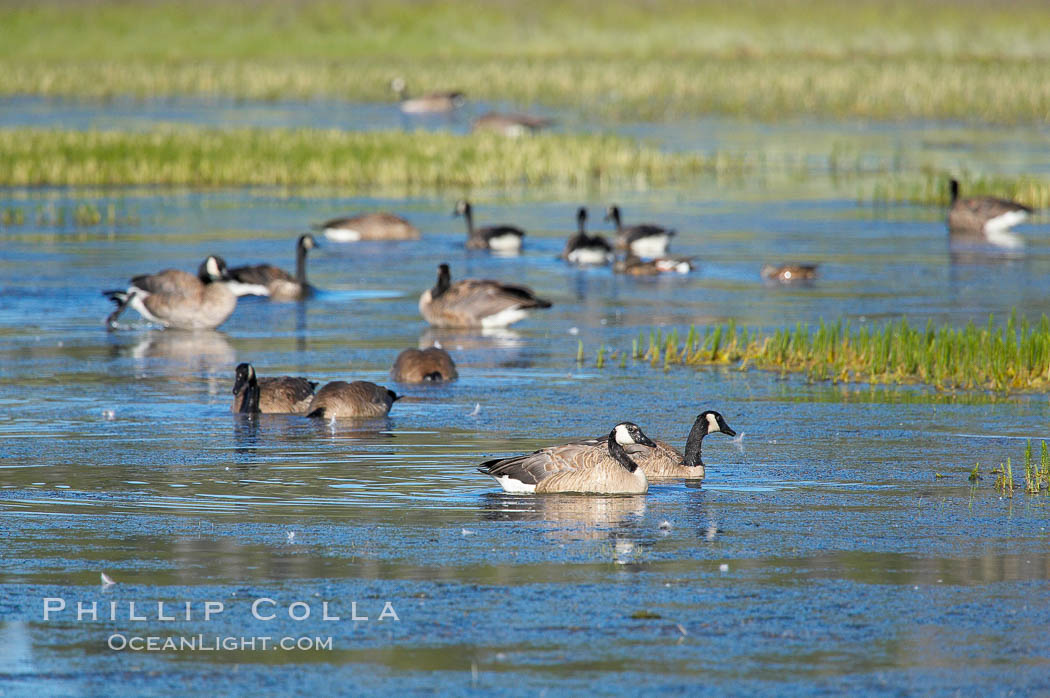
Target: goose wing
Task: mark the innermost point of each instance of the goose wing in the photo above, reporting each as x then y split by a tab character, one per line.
495	231
991	207
644	230
288	390
533	468
260	274
485	297
169	282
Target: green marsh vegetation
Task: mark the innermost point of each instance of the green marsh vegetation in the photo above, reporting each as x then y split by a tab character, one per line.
1036	475
214	157
1012	357
883	59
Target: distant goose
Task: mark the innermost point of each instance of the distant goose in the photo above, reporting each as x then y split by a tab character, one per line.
268	280
661	460
476	302
369	226
601	468
340	399
789	273
986	215
643	239
501	238
635	266
431	103
513	125
175	299
586	250
278	395
424	366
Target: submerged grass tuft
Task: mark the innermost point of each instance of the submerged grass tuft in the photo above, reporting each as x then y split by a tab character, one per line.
1012	357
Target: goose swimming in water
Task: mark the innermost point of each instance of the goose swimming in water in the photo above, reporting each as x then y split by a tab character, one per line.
584	468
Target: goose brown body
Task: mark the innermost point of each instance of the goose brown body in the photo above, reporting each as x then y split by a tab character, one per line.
476	302
986	217
271	395
577	467
274	282
357	399
510	124
426	365
379	225
642	239
179	300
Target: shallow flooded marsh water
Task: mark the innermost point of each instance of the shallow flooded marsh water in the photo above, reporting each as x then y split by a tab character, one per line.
822	551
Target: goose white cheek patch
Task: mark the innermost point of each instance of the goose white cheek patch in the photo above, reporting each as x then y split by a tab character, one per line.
712	424
623	437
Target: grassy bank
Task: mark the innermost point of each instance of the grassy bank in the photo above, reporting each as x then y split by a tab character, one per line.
212	157
873	58
1011	357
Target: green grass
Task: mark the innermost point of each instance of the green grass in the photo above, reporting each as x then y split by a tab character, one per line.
214	157
885	59
1012	357
1036	477
931	187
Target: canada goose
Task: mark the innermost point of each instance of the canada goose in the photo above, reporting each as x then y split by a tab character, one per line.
512	125
584	249
986	215
789	273
358	399
175	299
661	460
634	266
476	302
434	102
643	239
603	468
369	226
268	280
501	238
279	395
432	364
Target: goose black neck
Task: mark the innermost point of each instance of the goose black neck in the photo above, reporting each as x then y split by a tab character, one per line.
469	215
443	282
693	443
954	187
250	399
618	453
581	223
616	218
300	263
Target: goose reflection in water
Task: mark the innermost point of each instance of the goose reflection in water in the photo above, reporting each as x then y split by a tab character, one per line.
569	517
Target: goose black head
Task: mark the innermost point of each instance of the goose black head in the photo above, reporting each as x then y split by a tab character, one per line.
244	375
715	423
213	269
462	208
953	187
627	433
307	242
444	280
581	215
613	213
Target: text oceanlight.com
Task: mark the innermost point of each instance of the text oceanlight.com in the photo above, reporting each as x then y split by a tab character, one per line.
214	643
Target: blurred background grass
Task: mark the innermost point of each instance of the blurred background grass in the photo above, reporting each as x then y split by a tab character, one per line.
885	59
